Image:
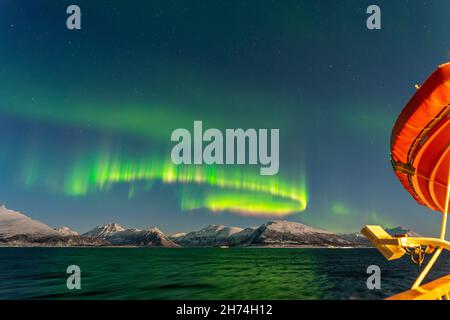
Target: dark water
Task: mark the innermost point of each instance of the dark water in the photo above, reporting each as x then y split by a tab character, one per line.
148	273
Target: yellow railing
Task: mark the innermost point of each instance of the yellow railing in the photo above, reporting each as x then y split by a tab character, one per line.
435	290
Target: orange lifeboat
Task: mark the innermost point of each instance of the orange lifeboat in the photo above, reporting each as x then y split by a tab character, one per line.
420	141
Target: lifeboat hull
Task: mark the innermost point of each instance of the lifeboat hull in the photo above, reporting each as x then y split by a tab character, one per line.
420	141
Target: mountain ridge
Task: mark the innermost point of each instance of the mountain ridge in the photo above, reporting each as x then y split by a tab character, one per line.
118	235
17	229
278	233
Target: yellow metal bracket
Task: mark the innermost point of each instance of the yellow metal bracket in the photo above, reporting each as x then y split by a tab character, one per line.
395	247
388	246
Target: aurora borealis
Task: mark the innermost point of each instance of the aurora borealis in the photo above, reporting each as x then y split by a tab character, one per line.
247	193
94	171
86	116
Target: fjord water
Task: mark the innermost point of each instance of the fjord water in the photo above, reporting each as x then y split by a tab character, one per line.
203	273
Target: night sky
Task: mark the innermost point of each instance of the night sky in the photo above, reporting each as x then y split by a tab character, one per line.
86	116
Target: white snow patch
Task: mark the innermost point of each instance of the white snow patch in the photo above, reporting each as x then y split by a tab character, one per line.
15	223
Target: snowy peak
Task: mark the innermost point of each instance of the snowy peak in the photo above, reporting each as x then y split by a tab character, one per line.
104	231
151	237
13	223
273	233
66	231
294	234
213	235
357	238
292	228
16	229
154	229
218	231
117	235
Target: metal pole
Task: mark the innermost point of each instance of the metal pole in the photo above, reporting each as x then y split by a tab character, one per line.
433	259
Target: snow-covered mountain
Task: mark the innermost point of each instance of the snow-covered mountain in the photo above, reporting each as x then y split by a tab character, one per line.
356	237
14	223
213	235
16	229
274	233
66	231
241	237
104	231
117	235
288	233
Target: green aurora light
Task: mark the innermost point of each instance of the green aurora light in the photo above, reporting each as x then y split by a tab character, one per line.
238	189
229	189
